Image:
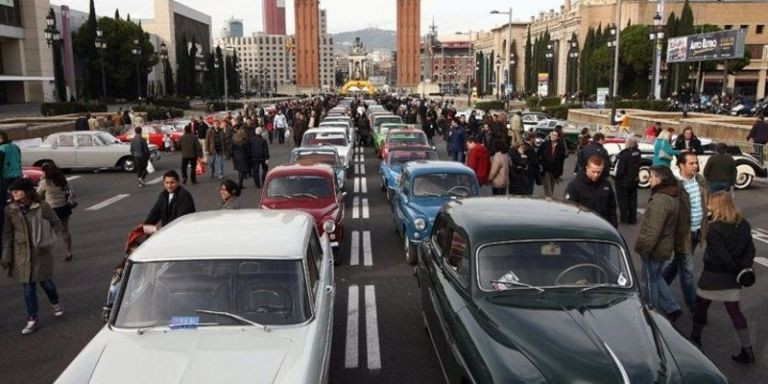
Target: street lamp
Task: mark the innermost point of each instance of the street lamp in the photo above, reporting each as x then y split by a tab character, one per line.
216	77
472	60
53	38
512	71
550	55
508	48
137	52
657	35
164	58
498	70
573	55
613	43
101	46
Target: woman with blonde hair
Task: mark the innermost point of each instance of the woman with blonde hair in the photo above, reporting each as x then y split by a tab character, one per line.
663	151
727	257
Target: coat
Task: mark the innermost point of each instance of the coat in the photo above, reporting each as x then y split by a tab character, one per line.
518	174
232	203
457	141
259	148
139	147
656	239
28	264
480	162
597	196
164	213
683	232
210	147
499	174
627	168
693	144
593	148
241	156
51	193
190	146
720	167
730	248
659	146
552	161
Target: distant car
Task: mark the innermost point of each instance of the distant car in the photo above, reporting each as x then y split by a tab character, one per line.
310	189
333	137
423	188
404	138
155	133
389	169
378	120
321	155
219	296
381	133
570	132
340	124
505	301
530	119
747	166
83	150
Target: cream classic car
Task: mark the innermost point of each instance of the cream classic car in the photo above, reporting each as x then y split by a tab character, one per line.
242	296
83	150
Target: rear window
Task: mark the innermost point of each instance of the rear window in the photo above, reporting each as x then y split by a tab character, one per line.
400	157
300	186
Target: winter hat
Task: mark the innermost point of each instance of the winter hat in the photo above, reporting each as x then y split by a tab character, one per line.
22	184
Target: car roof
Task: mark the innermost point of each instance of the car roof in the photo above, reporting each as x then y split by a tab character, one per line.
495	219
340	131
315	149
245	233
324	170
431	166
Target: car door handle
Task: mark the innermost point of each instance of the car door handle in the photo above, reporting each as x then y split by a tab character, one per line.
328	289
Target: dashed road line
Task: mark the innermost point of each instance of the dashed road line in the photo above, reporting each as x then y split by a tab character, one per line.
354	249
356	207
363	184
155	180
762	261
357	185
107	202
366	211
372	329
351	359
367	250
75	177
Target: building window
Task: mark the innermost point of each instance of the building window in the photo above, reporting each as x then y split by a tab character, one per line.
728	26
759	29
744	27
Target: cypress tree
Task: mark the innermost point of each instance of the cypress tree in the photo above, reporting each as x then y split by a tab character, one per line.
117	14
528	64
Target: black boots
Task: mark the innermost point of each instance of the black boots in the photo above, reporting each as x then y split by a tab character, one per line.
746	356
695	337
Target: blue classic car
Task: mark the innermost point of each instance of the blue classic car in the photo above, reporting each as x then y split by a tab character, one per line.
389	169
424	187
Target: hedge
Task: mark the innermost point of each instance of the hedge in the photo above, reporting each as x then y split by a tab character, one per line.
172	102
66	108
488	105
648	105
548	101
217	106
560	111
158	113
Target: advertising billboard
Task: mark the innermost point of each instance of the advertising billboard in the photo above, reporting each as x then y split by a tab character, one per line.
721	45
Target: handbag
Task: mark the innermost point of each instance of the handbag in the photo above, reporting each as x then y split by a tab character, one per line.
42	234
150	168
70	195
746	277
200	167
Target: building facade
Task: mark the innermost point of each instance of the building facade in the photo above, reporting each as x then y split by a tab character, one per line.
450	63
273	13
492	47
232	28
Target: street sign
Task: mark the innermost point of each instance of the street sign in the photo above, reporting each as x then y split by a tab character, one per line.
602	94
721	45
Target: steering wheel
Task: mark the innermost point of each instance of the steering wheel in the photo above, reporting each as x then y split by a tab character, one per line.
458	188
600	269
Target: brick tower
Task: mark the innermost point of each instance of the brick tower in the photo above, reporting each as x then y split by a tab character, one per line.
408	43
307	44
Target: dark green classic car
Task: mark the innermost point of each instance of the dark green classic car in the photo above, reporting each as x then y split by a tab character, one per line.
519	290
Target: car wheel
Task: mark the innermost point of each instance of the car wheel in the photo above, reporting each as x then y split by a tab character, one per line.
743	179
410	251
127	164
644	177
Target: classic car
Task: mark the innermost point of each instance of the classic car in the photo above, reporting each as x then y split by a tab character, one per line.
389	169
340	124
321	155
530	119
403	138
520	290
423	188
747	166
381	133
32	173
83	150
384	119
219	296
570	131
333	137
155	133
312	189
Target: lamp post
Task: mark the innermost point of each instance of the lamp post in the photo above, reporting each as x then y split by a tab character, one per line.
101	46
657	35
470	67
227	48
512	71
508	49
573	55
53	38
497	82
216	77
164	58
137	52
550	55
613	43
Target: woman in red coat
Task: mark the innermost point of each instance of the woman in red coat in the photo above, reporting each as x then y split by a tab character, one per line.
479	160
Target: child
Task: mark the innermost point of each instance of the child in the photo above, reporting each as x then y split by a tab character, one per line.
168	143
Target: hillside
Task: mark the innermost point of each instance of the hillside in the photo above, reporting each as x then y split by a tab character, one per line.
373	39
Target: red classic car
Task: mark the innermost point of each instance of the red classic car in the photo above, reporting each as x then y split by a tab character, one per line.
155	132
32	173
404	138
310	189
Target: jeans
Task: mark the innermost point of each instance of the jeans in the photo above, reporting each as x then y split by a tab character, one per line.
217	159
659	293
30	295
280	132
717	186
192	163
548	181
683	264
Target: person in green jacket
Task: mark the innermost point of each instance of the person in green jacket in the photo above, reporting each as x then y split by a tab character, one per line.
663	151
10	167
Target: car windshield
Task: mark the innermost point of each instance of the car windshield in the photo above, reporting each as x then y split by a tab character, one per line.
300	186
401	157
269	292
319	139
310	158
444	184
415	138
389	119
548	264
106	138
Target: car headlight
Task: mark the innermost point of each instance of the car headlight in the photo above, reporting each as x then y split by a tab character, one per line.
329	226
419	224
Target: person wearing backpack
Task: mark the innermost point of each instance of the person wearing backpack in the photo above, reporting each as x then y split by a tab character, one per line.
53	189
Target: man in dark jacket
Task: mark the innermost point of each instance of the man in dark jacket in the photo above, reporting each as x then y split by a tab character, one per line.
627	168
720	170
174	201
534	169
595	147
259	157
593	191
81	124
429	127
551	157
190	151
140	153
688	142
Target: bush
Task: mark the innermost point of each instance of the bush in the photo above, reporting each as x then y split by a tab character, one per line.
172	102
217	106
548	101
648	105
560	111
158	113
488	105
66	108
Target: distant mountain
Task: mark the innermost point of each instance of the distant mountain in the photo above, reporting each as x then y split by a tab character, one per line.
373	39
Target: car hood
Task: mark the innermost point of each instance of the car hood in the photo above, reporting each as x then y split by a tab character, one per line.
187	356
586	343
319	209
428	206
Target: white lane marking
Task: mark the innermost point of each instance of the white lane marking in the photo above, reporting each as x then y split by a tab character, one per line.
363	185
760	230
367	252
355	208
354	249
155	180
360	169
366	213
353	316
357	185
107	202
762	261
372	329
75	177
359	158
760	236
641	211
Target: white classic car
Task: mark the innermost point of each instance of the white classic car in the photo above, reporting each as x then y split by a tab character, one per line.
335	137
241	296
83	150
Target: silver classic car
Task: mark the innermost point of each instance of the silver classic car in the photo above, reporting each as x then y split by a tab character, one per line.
241	296
83	150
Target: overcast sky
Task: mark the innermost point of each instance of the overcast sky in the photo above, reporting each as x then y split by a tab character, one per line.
343	15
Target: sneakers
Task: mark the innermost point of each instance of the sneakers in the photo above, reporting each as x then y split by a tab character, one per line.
141	183
57	310
30	328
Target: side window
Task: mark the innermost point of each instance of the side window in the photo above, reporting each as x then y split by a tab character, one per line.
314	275
458	257
317	250
66	141
442	235
404	184
84	141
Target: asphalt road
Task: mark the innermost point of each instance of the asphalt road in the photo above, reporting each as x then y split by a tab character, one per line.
378	335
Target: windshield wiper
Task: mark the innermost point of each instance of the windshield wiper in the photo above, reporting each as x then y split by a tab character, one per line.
602	285
305	195
233	316
518	284
282	195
